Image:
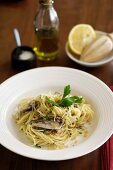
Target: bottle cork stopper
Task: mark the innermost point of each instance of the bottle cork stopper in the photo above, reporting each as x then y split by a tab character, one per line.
46	1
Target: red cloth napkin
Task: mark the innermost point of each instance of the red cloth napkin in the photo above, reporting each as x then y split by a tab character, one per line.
107	153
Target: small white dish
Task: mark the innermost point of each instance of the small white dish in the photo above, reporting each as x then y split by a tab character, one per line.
75	58
41	80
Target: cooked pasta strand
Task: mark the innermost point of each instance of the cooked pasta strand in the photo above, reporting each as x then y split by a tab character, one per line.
60	124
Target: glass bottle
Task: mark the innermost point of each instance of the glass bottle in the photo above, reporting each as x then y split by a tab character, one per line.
46	31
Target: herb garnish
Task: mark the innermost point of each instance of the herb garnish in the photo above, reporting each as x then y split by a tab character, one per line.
66	100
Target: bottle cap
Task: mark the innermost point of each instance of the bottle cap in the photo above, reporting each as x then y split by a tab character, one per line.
46	1
23	58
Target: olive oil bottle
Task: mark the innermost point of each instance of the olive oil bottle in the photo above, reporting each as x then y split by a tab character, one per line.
46	31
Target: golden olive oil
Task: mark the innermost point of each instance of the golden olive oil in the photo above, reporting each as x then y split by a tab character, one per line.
46	45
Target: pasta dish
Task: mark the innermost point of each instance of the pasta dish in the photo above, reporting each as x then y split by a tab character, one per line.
52	120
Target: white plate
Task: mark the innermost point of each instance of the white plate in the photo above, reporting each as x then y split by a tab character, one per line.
87	64
36	81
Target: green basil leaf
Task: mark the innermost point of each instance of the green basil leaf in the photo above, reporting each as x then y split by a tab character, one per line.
68	101
65	101
67	90
78	99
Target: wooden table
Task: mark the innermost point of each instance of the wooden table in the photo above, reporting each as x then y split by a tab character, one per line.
99	14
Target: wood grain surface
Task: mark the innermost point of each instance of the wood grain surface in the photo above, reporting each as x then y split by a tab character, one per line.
20	14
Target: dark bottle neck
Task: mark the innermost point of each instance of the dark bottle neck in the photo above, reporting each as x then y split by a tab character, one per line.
46	2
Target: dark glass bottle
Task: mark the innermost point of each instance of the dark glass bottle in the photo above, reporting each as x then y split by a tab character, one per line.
46	31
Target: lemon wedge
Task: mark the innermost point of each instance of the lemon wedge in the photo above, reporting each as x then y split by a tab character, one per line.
80	36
